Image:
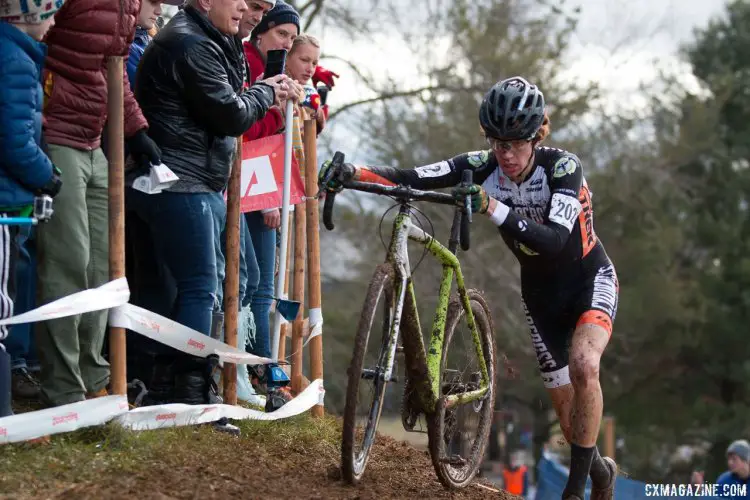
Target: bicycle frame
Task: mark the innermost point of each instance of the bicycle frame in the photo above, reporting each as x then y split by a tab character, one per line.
404	230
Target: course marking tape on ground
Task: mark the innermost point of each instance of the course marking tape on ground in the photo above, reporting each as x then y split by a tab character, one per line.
98	411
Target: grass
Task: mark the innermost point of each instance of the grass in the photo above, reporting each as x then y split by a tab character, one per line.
88	454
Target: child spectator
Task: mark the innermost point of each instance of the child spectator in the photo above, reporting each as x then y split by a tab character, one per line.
25	169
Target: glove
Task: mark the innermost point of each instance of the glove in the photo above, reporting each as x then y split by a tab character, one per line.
479	199
323	75
330	178
141	144
52	187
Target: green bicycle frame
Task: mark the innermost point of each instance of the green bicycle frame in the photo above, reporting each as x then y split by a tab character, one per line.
404	230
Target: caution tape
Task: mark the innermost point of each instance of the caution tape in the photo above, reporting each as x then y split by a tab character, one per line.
174	415
112	294
115	296
178	336
99	411
66	418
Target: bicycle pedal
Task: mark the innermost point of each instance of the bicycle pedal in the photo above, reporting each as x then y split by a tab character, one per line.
454	461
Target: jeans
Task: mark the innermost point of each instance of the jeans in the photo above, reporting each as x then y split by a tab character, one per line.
186	230
249	273
264	244
20	342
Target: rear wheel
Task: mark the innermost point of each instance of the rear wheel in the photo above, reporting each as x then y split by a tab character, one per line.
458	436
365	390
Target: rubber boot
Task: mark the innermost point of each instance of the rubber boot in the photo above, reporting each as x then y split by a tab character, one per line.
5	398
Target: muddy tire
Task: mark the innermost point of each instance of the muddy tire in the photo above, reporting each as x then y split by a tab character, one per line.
357	439
457	459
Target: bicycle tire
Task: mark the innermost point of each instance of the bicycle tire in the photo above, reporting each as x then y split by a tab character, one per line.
449	476
352	465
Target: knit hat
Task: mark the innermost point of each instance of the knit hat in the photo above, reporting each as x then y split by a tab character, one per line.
28	11
741	448
282	13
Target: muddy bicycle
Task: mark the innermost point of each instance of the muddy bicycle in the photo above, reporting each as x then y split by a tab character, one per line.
451	381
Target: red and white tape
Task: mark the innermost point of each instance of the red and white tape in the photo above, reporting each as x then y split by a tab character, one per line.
64	418
114	296
180	337
99	411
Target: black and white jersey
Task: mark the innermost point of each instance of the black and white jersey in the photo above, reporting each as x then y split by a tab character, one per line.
550	223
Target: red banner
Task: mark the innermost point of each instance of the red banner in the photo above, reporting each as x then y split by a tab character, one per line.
262	184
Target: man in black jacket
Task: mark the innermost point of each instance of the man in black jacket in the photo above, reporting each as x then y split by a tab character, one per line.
190	88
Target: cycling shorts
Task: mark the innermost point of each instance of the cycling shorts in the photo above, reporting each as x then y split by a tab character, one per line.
554	308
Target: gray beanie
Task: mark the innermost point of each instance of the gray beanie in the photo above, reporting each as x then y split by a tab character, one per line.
741	448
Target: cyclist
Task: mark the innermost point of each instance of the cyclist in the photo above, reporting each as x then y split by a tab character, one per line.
541	203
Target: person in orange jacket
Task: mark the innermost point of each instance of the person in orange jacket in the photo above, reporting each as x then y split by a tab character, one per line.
516	477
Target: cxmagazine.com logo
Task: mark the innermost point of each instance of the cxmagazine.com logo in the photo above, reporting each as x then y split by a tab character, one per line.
696	490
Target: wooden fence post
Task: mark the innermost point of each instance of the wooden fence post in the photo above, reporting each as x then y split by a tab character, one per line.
116	157
313	254
232	273
609	437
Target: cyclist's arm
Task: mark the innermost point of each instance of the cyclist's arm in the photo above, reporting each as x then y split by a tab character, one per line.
438	175
550	237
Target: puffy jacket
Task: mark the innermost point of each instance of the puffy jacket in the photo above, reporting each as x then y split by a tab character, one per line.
141	40
24	167
85	34
273	122
190	87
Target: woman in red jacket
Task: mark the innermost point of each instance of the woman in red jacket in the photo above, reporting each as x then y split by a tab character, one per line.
277	30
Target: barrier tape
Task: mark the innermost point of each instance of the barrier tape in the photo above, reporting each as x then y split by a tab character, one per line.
179	336
173	415
99	411
316	322
112	294
115	296
66	418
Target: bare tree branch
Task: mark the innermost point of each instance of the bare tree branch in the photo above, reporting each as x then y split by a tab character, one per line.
384	96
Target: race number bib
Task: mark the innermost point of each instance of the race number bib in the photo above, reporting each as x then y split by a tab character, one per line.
564	209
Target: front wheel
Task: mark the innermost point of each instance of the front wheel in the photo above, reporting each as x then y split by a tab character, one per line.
458	436
365	390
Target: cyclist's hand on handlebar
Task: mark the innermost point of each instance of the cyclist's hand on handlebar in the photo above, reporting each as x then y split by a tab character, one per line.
480	201
330	177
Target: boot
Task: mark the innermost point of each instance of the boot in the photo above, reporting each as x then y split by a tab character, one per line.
5	398
194	380
161	386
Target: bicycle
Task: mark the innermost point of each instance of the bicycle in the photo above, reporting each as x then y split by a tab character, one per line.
443	395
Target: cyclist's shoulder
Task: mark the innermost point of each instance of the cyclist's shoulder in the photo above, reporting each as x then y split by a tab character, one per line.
558	162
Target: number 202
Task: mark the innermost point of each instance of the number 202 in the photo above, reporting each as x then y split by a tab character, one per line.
564	209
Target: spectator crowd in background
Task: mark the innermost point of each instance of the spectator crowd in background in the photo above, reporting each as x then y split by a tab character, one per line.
192	87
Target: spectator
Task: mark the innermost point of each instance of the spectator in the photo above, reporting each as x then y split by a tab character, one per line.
738	462
301	66
74	245
516	476
147	277
277	30
190	85
145	30
249	274
20	343
25	169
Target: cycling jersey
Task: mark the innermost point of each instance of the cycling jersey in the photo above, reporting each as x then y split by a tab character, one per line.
550	223
567	278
